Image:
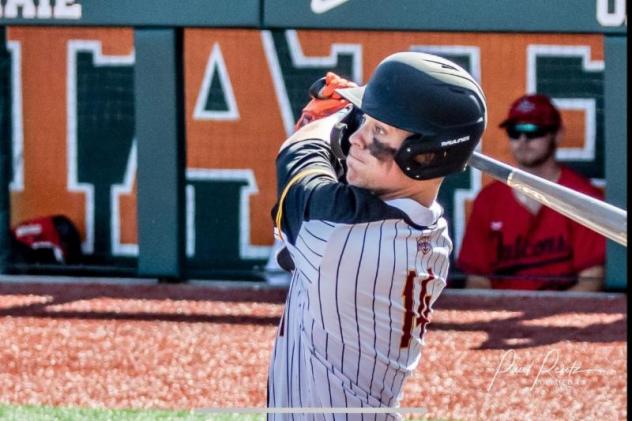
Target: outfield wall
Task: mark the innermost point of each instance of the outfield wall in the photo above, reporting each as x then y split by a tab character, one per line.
174	176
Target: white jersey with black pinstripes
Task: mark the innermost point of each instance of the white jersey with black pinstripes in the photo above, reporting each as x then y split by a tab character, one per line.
359	302
366	275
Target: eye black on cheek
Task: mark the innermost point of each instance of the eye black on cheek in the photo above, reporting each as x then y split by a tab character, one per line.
380	151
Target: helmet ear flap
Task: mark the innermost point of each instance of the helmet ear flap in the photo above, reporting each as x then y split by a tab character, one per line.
418	153
423	157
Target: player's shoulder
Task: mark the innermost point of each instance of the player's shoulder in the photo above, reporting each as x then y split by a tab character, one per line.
576	181
415	214
318	130
361	207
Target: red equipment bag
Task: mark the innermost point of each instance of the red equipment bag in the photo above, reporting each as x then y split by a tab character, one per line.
48	239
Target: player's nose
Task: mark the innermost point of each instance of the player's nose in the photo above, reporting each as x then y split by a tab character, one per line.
357	139
523	138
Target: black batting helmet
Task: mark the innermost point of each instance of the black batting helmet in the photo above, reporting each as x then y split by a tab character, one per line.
433	98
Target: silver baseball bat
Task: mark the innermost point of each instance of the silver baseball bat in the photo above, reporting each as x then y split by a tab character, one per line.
604	218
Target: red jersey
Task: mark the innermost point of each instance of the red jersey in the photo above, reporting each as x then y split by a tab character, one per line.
503	238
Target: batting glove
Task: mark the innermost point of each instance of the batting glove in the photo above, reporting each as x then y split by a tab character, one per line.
325	100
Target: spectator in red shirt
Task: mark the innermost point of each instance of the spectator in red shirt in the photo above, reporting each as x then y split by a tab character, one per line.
514	242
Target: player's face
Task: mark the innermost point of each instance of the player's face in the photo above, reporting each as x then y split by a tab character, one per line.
532	151
370	163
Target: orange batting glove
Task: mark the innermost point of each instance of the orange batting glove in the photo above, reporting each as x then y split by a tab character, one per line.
325	100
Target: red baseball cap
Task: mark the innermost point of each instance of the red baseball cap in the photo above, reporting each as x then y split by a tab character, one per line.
533	109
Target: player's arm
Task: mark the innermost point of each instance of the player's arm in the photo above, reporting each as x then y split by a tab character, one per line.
590	279
313	170
307	176
319	195
306	158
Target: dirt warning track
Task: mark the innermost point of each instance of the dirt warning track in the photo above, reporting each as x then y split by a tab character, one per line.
195	346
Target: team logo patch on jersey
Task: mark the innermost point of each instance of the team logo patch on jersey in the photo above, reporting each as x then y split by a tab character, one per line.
423	245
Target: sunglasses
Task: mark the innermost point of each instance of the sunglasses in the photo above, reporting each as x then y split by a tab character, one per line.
530	131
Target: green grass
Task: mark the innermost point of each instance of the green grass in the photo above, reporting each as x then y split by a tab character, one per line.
47	413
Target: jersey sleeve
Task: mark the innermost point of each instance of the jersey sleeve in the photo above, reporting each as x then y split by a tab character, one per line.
321	196
477	246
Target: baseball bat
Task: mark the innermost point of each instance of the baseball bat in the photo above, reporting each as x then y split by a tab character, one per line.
604	218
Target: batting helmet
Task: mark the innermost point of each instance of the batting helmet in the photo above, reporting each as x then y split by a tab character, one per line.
436	100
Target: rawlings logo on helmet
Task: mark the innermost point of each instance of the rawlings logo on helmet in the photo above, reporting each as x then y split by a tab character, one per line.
455	141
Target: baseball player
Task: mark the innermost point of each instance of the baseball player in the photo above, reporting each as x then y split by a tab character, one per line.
365	238
513	242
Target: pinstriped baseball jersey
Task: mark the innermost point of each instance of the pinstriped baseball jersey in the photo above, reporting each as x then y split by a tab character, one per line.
366	275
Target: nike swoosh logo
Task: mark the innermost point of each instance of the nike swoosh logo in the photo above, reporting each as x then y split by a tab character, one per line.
322	6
